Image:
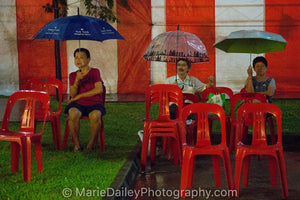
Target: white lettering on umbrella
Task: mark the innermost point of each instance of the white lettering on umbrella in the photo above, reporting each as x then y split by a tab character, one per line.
53	31
82	32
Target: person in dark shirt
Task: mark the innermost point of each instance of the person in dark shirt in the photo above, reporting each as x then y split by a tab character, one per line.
260	83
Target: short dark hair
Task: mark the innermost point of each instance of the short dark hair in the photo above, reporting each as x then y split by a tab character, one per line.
87	53
260	59
187	62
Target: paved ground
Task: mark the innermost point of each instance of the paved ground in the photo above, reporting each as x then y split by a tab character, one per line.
162	181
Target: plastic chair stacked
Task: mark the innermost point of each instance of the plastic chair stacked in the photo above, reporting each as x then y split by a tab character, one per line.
163	126
216	91
191	128
259	144
244	98
203	145
21	140
101	131
50	85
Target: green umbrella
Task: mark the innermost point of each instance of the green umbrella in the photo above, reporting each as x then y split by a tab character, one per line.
251	41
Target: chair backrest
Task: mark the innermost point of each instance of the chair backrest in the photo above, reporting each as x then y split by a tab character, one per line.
215	90
243	90
259	112
28	117
202	111
48	85
163	94
191	97
246	98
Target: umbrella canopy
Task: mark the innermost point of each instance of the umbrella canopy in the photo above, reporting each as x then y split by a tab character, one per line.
251	41
172	45
78	27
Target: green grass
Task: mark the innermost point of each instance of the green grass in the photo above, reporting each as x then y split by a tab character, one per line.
94	170
82	170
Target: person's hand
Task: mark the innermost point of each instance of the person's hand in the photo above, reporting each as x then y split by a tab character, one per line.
250	71
211	81
175	83
74	99
79	75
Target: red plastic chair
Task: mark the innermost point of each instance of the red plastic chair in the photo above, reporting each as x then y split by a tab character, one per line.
259	144
50	85
191	128
101	131
21	140
216	91
190	97
163	126
244	98
203	145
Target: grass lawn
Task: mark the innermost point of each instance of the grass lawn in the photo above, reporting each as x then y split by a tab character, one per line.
94	170
82	170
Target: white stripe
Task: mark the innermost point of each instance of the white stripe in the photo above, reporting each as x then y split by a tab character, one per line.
233	15
158	15
104	56
9	72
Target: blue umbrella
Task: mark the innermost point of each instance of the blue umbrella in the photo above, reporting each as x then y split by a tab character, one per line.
78	27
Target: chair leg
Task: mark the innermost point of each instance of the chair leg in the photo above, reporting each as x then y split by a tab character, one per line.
272	168
227	167
53	128
26	159
102	136
237	170
191	170
144	151
66	135
217	169
38	155
246	170
58	133
14	156
282	174
185	172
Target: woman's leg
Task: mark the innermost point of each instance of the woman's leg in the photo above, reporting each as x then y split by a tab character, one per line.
74	125
95	123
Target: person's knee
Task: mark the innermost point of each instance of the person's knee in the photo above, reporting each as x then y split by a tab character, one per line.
95	116
74	114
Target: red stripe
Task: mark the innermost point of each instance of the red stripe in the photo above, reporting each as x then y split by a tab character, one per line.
135	27
282	17
197	17
36	57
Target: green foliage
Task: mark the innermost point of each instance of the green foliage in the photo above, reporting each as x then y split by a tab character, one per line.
94	8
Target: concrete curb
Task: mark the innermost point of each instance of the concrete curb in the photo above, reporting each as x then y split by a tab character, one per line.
125	178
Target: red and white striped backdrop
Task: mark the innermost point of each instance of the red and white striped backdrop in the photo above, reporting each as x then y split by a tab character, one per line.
120	62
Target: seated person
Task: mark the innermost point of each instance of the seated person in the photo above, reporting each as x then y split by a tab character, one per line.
188	84
260	83
86	87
